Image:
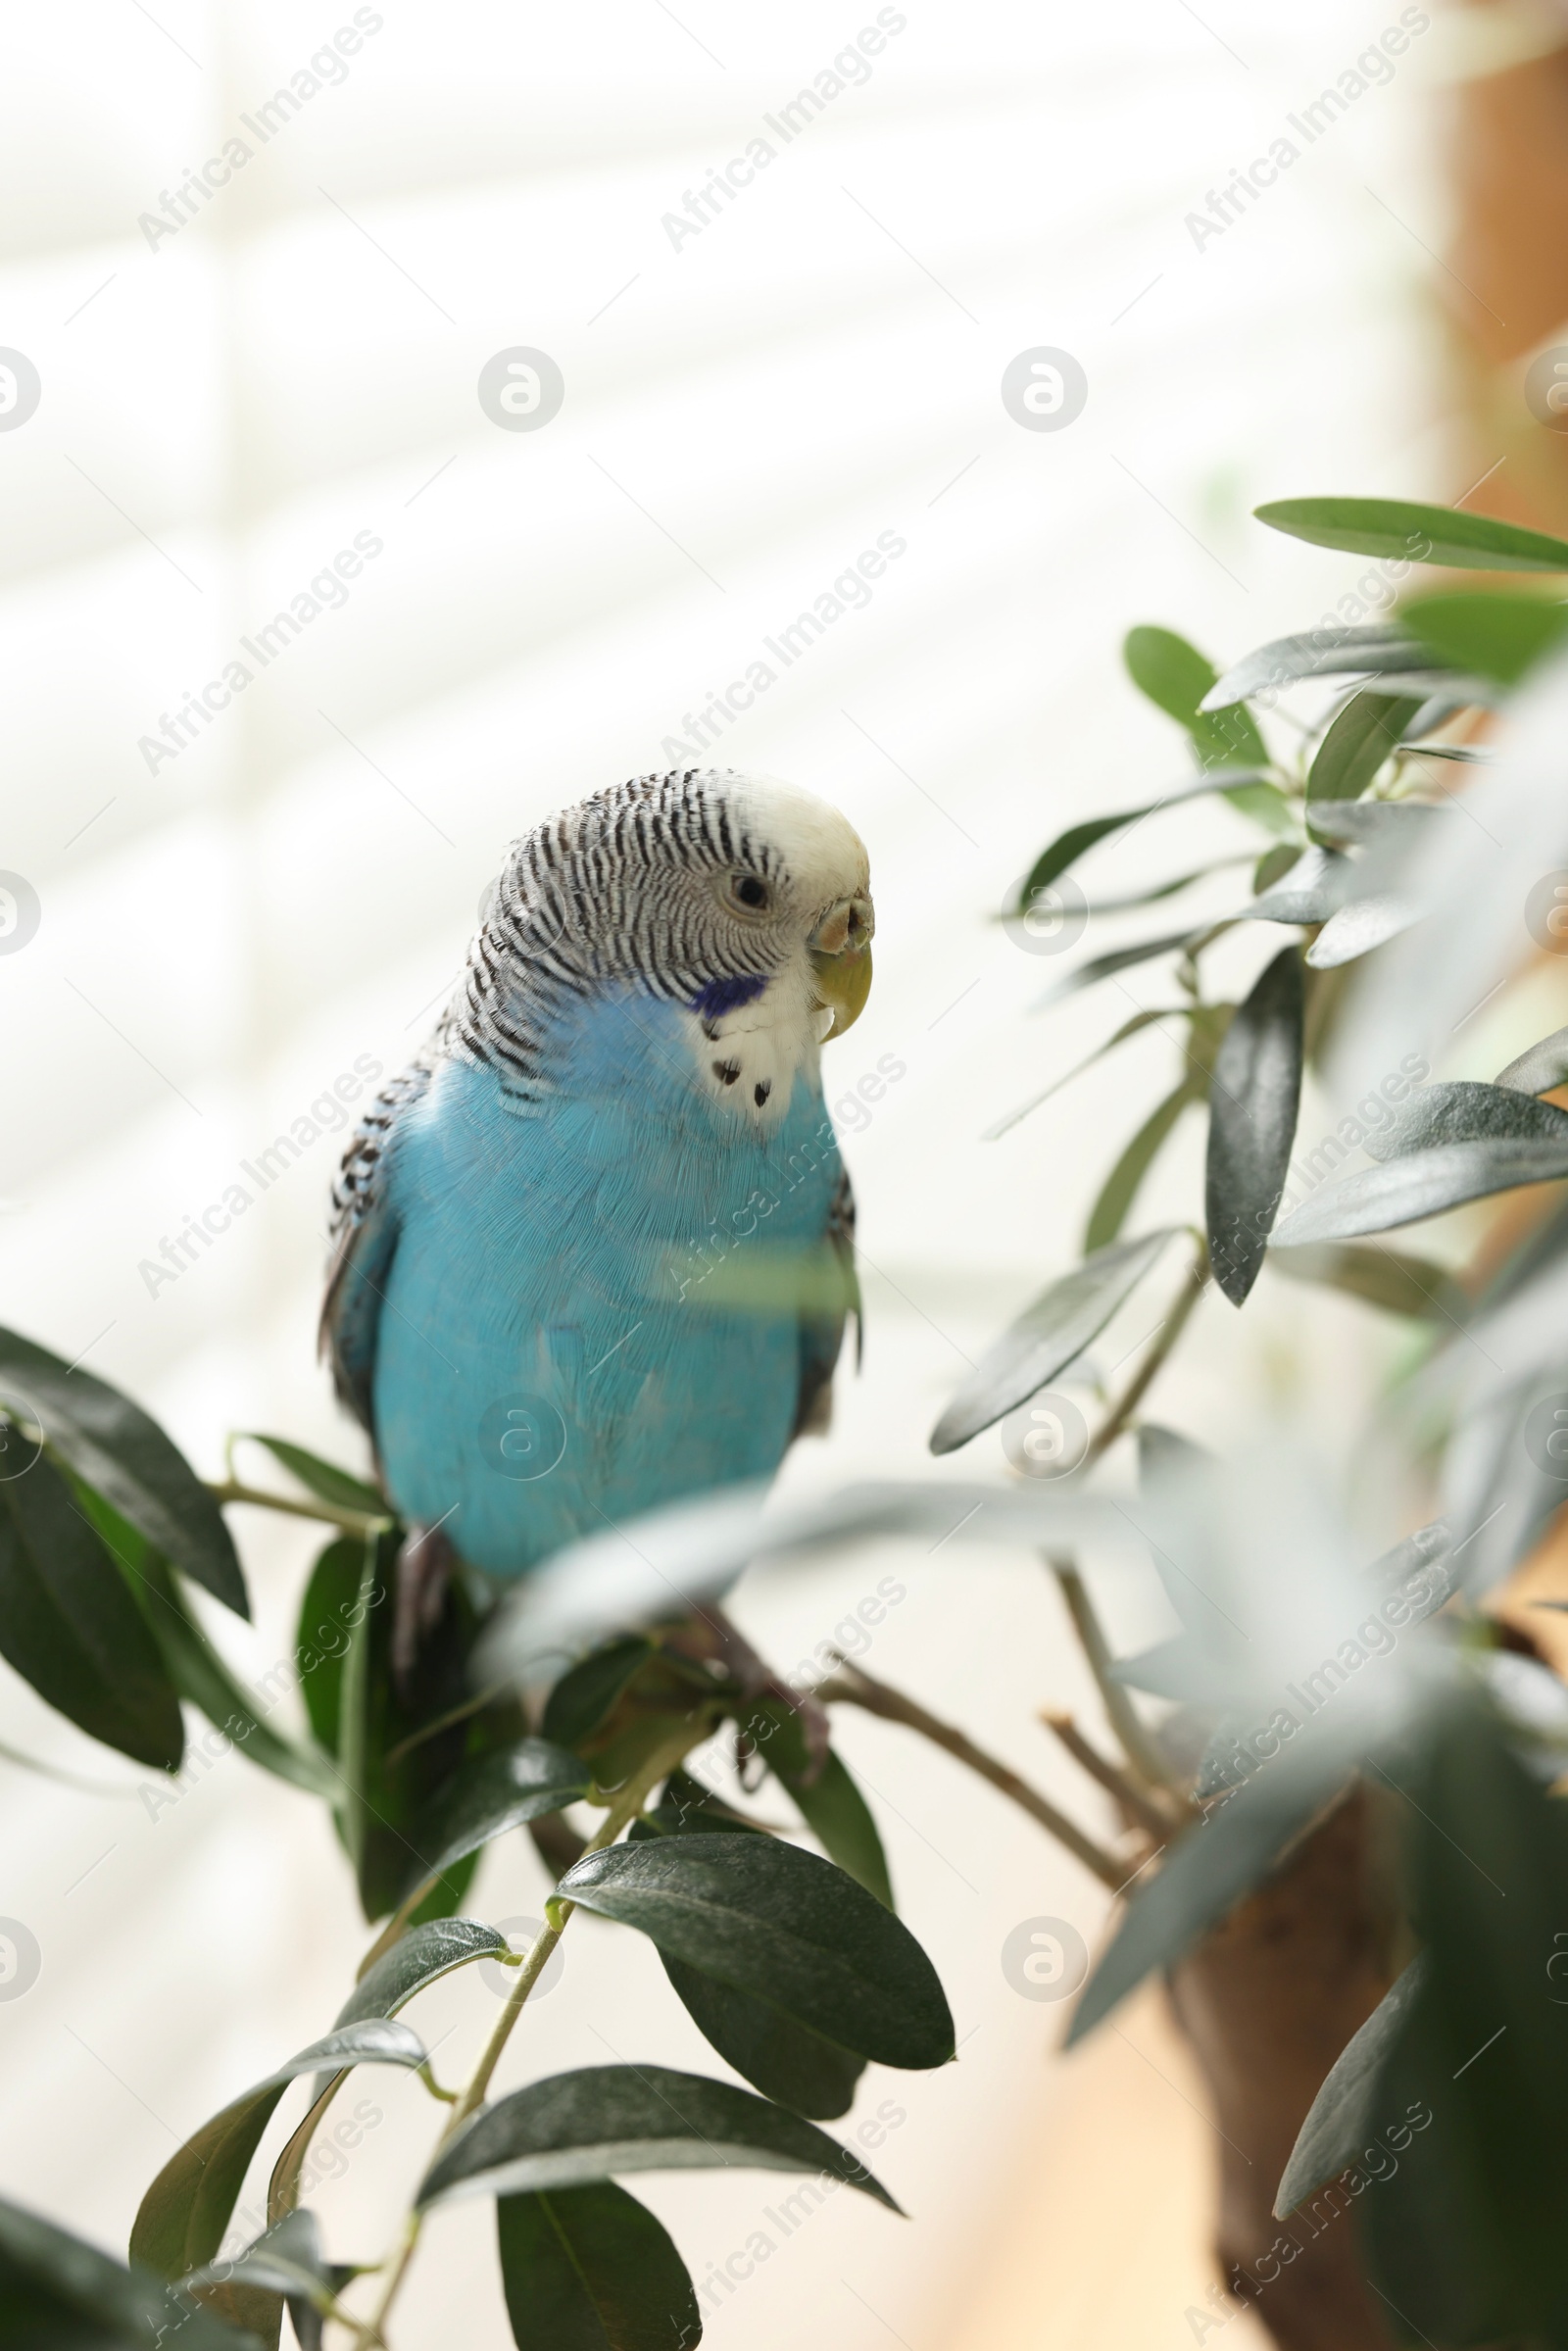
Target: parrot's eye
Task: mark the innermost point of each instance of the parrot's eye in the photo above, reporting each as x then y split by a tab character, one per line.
748	890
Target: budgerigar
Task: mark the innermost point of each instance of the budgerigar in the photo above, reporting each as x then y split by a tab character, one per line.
561	1289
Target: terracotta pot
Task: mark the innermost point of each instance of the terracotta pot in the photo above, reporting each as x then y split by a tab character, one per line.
1267	2004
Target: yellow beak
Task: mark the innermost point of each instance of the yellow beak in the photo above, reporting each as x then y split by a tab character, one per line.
841	958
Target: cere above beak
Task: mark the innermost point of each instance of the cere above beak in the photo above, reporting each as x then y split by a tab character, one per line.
840	957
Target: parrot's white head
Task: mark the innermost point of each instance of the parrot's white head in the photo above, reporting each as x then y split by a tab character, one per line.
741	900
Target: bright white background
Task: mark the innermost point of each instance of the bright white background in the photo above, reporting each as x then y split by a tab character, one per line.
222	938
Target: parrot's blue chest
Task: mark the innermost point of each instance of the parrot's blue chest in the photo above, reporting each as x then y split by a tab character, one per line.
590	1309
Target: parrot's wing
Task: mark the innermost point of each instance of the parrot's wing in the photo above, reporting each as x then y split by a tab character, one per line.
822	1329
365	1239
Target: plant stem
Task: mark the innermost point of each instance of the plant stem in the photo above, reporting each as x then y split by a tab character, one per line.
628	1802
1137	1744
1140	1807
1144	1378
851	1686
353	1522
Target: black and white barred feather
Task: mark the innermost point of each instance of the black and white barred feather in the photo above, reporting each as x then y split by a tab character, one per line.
584	899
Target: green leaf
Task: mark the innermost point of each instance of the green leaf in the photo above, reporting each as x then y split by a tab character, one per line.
1121	1187
283	2264
1461	1110
1176	677
788	2063
767	1918
1252	1106
1344	2116
112	1445
589	2269
796	2068
1119	959
58	2293
1273	865
320	1478
687	1808
1381	1277
1362	738
1046	1336
199	1673
1211	1870
573	2128
1129	1028
828	1799
69	1626
490	1794
1425	1184
1539	1070
1355	929
1498	635
1350	824
184	2212
584	1698
1078	839
1320	653
1307	890
1465	2235
1422	534
396	1745
419	1957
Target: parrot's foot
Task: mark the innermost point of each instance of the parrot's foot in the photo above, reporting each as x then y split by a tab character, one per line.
711	1635
424	1572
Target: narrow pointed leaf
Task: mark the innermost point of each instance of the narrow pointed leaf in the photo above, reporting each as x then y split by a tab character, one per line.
1539	1070
606	2119
1404	530
419	1957
1500	636
586	1696
284	2265
1177	678
1210	1871
1400	1284
1342	2119
1428	1182
1062	1321
590	2268
1356	929
687	1808
1119	959
1129	1028
490	1796
194	1666
1320	653
1366	733
1350	824
1461	1110
1252	1122
112	1445
323	1479
767	1919
1465	2237
59	2294
69	1626
1121	1187
184	2212
828	1799
1309	892
1078	839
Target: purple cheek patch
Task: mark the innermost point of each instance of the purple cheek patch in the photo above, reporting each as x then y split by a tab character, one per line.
727	996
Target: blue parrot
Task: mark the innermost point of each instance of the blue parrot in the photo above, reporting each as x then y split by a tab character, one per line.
594	1249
